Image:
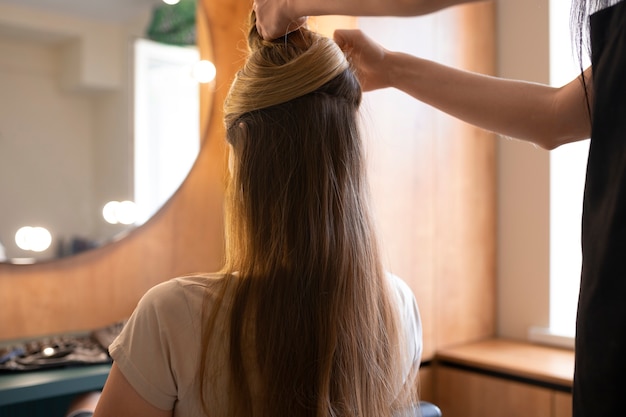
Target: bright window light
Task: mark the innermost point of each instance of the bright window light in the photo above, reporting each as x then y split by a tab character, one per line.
567	178
167	120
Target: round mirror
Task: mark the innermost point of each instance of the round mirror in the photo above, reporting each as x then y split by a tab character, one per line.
98	125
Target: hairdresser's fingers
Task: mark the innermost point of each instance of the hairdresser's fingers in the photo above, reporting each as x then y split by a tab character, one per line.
355	41
366	56
342	38
278	31
274	20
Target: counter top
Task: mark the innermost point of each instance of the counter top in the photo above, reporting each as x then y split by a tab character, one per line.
37	385
525	360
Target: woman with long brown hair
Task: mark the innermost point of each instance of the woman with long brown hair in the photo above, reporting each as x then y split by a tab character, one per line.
302	321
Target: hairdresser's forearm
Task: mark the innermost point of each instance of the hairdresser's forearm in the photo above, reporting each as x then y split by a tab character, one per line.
533	112
370	7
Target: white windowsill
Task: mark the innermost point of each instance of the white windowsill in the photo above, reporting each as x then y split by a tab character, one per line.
544	336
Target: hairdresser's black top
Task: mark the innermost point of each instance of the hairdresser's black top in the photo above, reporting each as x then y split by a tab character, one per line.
600	377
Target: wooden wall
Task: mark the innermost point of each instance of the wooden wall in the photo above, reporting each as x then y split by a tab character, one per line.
433	182
439	227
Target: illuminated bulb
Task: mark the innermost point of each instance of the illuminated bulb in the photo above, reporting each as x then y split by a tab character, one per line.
171	1
124	212
127	212
48	351
41	239
203	71
36	239
22	237
109	212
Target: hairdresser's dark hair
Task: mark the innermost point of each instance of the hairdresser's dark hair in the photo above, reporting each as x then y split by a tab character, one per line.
311	302
579	23
581	34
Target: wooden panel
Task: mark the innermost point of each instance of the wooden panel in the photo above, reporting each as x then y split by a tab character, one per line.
562	404
433	181
426	387
466	394
465	203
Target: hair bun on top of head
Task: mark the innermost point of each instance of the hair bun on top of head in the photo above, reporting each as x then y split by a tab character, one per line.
281	70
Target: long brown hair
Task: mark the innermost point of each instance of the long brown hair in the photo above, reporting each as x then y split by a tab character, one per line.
310	296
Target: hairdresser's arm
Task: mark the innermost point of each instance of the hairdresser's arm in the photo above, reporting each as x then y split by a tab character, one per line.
277	17
119	399
537	113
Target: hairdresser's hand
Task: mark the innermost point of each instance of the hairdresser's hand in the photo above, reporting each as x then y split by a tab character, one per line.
367	57
276	18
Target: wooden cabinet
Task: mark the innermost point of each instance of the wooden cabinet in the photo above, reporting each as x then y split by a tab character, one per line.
562	404
496	378
426	388
462	393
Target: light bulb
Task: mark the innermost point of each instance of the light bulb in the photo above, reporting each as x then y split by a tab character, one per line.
36	239
109	212
127	212
203	71
124	212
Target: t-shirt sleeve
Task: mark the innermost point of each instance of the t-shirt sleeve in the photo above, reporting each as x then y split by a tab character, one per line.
150	347
410	318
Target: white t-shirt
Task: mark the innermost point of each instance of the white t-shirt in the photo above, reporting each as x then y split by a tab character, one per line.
159	349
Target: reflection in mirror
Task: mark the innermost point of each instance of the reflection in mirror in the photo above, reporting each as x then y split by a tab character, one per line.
167	116
73	133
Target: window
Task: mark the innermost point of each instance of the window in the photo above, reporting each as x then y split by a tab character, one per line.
567	177
167	119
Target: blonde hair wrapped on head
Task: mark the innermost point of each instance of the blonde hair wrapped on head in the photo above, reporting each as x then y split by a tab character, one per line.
311	61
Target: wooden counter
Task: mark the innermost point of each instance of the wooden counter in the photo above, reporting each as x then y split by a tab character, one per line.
524	360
